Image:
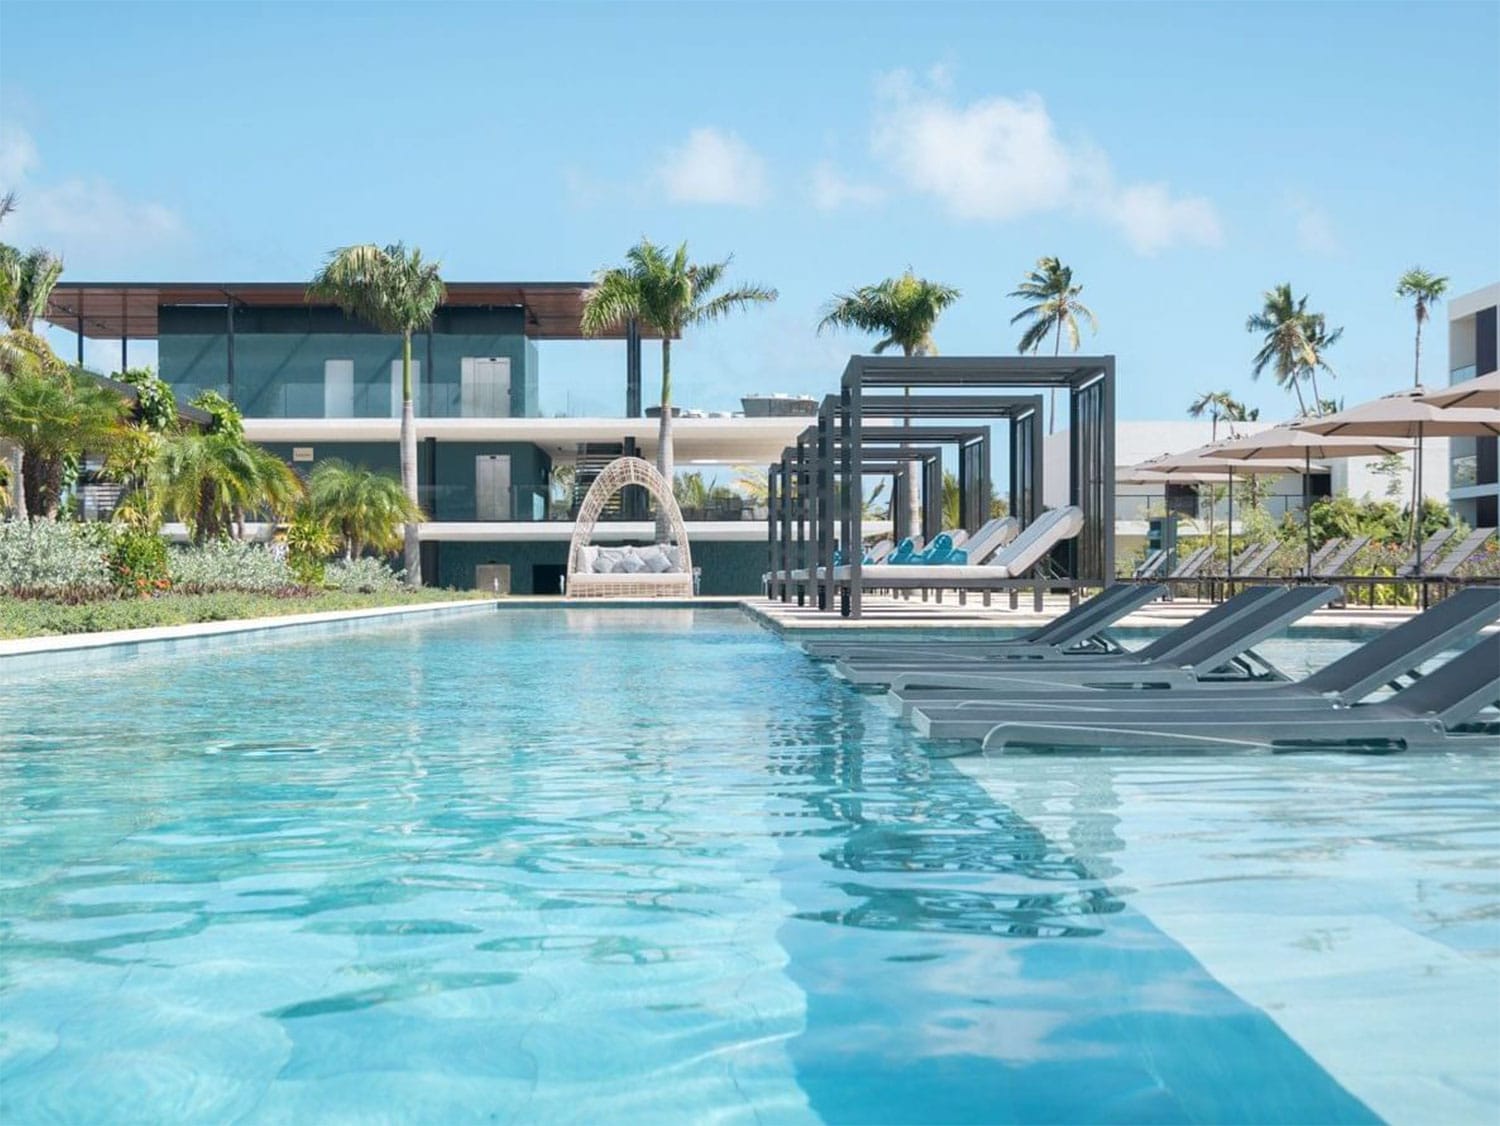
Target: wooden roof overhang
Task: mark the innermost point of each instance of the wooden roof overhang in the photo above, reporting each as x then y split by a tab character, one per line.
111	310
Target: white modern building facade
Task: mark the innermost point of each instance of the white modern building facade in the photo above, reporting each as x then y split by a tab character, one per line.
1473	344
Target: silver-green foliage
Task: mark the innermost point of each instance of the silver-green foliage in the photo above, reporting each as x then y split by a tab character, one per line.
228	565
53	557
364	575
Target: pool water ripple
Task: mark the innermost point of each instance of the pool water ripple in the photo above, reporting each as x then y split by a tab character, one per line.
582	866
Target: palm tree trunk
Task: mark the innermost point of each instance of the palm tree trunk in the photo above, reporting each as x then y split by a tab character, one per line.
1416	368
18	483
1297	387
665	463
413	546
1312	374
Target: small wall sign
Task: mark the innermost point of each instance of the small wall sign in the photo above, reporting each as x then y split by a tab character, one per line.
302	453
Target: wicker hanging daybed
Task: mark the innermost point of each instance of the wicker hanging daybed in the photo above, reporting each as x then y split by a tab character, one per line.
658	571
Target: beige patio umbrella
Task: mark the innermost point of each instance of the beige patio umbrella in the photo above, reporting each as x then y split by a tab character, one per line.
1406	414
1207	464
1481	392
1287	441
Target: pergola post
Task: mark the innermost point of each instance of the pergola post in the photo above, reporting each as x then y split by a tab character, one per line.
632	368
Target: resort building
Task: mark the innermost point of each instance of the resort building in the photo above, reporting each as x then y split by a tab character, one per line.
1473	344
499	483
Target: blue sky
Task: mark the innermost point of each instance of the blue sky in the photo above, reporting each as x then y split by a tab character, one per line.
1180	158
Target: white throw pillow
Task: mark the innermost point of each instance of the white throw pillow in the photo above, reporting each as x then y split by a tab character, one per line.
588	559
632	564
657	562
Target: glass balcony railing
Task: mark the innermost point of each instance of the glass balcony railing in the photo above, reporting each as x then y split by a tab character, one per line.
314	400
1463	471
1459	375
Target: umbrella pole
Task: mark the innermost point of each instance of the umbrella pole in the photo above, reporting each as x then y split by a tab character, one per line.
1416	502
1307	505
1229	538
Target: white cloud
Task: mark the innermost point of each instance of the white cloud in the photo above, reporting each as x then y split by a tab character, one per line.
1314	228
1000	159
1153	219
714	166
830	190
18	156
86	221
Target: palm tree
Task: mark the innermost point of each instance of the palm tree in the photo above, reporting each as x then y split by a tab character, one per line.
1425	290
50	414
1054	308
1293	341
904	312
1217	405
211	480
26	282
366	508
668	294
394	290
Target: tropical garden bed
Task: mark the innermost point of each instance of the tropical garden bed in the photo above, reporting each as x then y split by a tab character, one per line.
42	617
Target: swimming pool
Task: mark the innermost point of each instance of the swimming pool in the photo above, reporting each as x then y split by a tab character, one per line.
607	865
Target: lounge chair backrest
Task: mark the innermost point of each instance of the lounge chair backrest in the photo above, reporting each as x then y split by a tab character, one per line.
1256	564
1271	616
879	551
1461	554
1403	648
990	538
1192	564
1041	536
1334	565
1217	617
1425	552
1453	693
1104	609
1151	564
1320	557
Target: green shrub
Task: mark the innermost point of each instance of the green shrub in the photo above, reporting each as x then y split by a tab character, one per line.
54	558
309	543
228	565
138	561
364	576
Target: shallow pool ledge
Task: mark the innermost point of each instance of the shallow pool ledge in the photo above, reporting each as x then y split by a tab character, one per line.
28	654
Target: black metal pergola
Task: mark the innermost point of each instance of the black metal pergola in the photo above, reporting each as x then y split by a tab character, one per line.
819	482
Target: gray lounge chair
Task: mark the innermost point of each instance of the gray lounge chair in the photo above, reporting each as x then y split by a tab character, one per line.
1307	571
1226	651
1425	554
1188	567
1333	565
1151	565
1422	716
1081	628
1260	557
941	673
1395	653
1456	557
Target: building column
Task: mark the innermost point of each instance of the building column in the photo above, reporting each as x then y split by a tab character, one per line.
80	328
124	329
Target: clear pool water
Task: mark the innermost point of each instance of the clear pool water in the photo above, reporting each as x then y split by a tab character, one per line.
658	867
